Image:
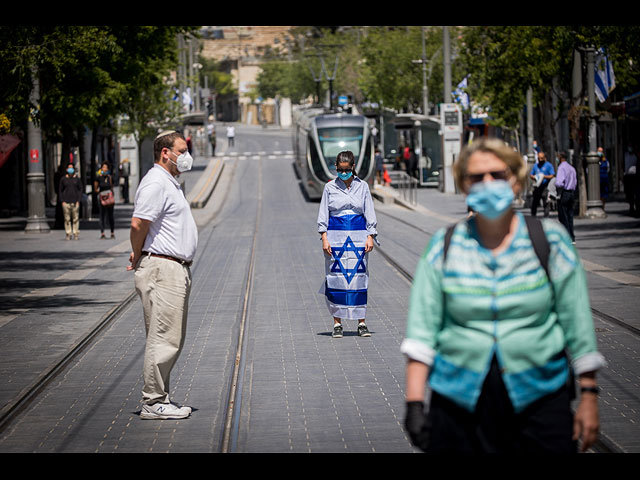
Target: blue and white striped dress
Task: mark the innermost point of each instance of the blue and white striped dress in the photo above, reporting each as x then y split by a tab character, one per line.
348	217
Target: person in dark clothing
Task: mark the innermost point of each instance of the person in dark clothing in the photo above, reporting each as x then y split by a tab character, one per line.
104	187
70	194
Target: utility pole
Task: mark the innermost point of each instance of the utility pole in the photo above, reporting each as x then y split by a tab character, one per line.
330	79
531	156
425	92
594	204
446	46
37	220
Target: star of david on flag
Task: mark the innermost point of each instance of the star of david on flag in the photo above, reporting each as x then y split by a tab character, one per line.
337	252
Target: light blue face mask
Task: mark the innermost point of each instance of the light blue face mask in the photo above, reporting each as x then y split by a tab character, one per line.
345	176
490	199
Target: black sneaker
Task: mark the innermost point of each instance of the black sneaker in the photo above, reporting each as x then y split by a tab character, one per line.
363	331
337	331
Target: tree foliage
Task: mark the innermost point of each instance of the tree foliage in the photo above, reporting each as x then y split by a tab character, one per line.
504	61
88	74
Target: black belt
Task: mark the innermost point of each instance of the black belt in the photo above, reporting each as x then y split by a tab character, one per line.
168	257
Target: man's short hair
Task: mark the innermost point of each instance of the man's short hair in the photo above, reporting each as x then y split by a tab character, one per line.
165	140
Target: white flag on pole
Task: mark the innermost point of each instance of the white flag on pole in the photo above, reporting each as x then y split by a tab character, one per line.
604	78
460	95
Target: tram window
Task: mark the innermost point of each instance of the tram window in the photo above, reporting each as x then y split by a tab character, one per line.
336	140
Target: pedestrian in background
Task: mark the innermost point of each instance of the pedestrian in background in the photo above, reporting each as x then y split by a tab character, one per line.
379	166
231	135
211	130
347	225
566	183
541	173
630	178
104	187
125	172
604	176
70	192
490	328
164	239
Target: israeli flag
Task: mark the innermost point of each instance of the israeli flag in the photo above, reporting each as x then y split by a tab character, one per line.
460	95
604	78
347	278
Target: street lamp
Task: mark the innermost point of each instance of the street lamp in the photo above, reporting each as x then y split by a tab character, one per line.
426	73
37	220
594	204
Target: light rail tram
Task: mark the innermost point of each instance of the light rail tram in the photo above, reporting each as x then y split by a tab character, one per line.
318	137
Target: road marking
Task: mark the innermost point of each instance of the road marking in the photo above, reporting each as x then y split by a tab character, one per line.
611	274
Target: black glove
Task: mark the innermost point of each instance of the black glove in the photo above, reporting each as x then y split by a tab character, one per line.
417	425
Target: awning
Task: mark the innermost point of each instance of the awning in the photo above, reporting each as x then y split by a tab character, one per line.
7	144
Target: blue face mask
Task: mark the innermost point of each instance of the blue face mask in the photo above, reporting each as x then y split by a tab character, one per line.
490	199
345	176
70	171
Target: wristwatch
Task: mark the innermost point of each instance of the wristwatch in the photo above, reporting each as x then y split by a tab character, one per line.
595	390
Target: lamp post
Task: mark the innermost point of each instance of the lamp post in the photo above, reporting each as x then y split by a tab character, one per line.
37	220
594	204
446	46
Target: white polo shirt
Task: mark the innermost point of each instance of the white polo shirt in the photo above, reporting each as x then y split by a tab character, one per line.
160	200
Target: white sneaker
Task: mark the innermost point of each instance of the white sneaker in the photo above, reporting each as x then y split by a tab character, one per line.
164	411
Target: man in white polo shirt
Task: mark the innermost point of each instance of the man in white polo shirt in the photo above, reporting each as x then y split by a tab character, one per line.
164	238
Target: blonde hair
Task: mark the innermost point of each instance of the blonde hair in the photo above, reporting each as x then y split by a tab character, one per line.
504	152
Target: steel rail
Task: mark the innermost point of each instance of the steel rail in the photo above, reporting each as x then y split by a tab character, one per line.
234	401
29	393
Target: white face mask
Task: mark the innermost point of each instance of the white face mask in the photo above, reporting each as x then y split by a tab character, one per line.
183	162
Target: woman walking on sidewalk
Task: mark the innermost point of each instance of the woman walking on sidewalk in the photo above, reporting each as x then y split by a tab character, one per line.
104	186
495	332
347	224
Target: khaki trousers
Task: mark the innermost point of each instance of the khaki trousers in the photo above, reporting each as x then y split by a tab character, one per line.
163	286
71	212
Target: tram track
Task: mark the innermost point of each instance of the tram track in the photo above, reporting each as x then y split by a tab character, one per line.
234	402
24	398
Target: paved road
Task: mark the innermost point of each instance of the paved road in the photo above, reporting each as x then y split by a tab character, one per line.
300	390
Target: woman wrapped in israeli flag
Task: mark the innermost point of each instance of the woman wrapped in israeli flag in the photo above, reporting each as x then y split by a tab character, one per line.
347	223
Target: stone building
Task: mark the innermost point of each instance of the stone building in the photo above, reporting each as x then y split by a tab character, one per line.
239	50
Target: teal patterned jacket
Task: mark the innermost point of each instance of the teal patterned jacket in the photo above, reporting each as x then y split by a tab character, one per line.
479	305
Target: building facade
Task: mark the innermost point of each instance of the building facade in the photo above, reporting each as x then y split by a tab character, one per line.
239	50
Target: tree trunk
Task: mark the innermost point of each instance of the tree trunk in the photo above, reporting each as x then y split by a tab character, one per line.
93	168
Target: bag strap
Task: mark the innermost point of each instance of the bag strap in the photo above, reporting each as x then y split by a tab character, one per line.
539	241
447	240
536	233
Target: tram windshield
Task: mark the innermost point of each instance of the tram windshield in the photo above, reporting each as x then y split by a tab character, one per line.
337	139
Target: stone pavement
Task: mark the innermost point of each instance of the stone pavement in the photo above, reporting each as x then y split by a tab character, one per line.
302	391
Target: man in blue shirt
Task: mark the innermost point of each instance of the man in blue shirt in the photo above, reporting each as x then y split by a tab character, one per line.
543	171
